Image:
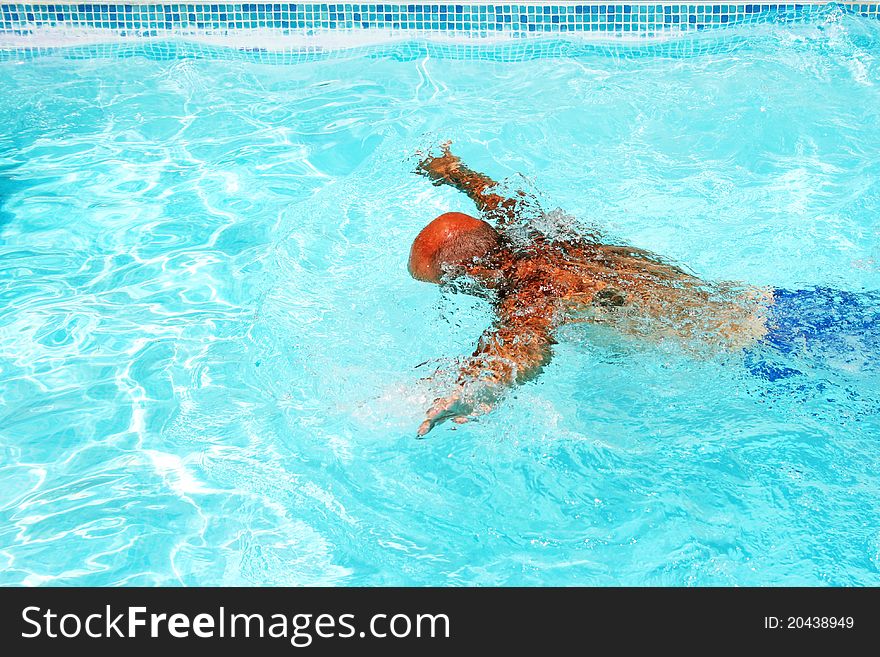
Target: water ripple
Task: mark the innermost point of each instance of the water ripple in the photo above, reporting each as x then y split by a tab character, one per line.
208	339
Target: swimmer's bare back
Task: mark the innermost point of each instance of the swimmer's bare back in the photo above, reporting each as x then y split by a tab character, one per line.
547	283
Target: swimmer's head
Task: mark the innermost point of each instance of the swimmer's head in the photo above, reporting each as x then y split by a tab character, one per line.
451	239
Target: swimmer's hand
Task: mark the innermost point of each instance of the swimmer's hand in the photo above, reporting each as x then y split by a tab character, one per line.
451	407
456	407
439	169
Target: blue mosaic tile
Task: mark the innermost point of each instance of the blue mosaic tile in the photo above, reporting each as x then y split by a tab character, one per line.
639	18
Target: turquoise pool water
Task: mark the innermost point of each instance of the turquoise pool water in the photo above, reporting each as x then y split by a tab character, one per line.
209	340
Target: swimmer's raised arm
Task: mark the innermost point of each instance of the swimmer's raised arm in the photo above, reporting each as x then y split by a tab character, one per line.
447	169
511	352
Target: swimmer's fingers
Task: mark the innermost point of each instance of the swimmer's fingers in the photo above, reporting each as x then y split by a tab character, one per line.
425	159
438	168
426	152
428	168
445	408
440	411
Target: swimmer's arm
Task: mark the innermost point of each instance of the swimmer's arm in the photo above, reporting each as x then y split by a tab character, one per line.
512	352
447	169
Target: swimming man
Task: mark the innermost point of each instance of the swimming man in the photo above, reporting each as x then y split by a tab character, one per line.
541	281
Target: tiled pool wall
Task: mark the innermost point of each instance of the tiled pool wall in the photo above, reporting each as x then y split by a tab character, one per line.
137	19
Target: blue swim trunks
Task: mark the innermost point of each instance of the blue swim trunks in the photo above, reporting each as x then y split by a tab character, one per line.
818	326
